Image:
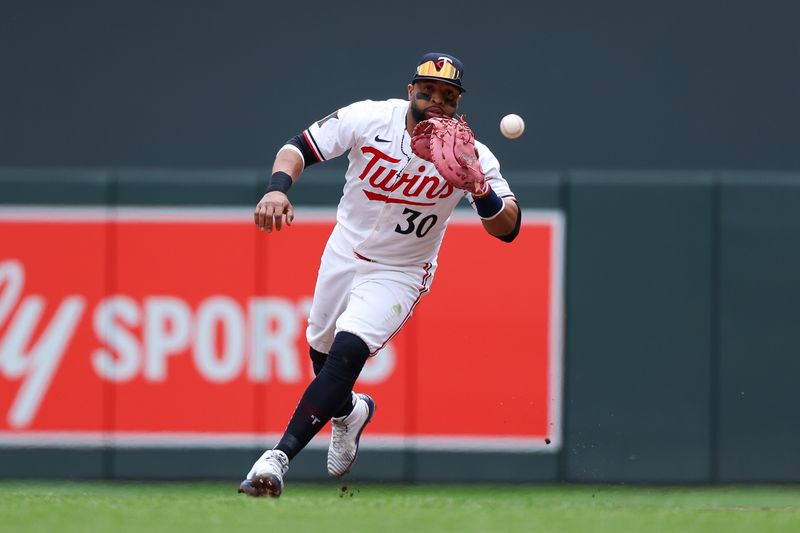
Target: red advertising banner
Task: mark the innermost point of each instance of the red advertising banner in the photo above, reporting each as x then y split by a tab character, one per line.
186	327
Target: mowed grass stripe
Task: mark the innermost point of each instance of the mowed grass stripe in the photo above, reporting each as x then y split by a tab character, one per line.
206	507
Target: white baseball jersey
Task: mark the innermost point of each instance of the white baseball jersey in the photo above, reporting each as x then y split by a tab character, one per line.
395	205
381	256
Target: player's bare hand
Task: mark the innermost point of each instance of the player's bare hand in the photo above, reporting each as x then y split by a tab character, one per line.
273	211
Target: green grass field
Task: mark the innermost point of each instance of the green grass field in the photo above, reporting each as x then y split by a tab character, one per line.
201	507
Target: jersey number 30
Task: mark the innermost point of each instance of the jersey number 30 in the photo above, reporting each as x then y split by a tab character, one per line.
421	228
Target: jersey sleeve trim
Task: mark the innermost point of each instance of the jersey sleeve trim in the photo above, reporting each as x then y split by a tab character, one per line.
313	145
294	149
306	151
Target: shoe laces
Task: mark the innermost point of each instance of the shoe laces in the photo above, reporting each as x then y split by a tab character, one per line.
279	460
340	433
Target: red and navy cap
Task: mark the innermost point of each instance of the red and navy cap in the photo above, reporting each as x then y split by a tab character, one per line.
440	67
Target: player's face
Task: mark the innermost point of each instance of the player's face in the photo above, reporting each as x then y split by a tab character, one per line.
432	98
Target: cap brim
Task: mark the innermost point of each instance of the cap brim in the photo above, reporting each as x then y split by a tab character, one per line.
443	80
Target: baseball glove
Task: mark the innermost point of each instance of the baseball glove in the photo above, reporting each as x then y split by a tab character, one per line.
450	145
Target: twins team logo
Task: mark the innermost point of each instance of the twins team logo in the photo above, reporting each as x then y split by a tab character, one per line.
417	189
442	61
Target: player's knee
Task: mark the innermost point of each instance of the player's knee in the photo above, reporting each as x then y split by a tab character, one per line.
347	356
317	360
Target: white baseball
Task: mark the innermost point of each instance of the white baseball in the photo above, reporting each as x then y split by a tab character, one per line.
512	126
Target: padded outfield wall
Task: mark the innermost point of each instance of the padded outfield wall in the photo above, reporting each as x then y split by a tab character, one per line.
665	353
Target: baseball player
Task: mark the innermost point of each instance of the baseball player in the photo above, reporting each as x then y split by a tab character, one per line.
380	259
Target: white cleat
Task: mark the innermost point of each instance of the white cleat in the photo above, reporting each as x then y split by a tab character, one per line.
345	434
266	476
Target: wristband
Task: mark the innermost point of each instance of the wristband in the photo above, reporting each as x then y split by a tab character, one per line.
489	205
280	181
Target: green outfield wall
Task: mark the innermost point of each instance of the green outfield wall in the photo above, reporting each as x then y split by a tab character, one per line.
681	338
619	83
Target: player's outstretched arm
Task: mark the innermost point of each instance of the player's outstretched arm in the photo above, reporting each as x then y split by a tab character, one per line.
505	223
274	208
500	217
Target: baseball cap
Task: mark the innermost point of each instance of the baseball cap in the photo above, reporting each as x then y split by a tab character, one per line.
440	67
